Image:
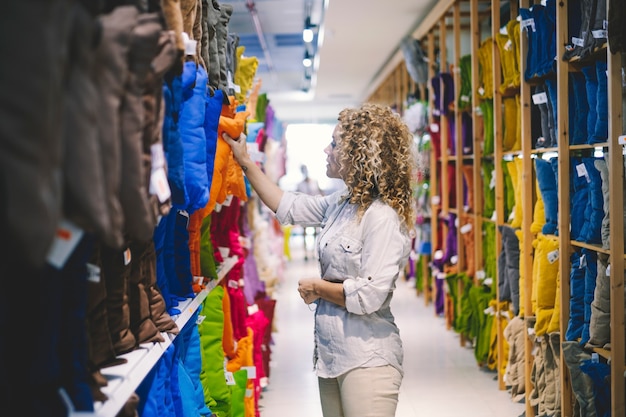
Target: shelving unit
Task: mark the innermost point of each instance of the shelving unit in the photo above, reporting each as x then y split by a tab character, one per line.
124	379
441	33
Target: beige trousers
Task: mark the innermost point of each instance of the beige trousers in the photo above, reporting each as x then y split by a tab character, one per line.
361	392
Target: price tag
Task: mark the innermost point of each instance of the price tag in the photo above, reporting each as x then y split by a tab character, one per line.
599	34
251	371
553	256
230	379
466	228
93	273
65	240
524	24
540	98
581	170
253	309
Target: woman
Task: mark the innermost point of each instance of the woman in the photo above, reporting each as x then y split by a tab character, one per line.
363	245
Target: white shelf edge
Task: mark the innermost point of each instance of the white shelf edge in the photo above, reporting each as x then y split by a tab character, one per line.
139	365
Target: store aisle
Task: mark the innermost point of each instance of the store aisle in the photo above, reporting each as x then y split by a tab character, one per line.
441	378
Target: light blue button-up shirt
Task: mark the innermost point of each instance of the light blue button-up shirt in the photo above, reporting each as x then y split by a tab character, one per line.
367	257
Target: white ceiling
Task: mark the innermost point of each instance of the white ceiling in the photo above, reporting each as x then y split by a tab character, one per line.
355	39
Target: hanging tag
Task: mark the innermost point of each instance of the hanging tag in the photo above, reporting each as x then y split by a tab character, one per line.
608	270
454	259
508	45
435	200
65	240
434	127
492	182
466	228
438	255
524	24
553	256
200	319
540	98
599	34
622	140
583	261
93	273
578	41
228	201
158	156
230	379
480	274
159	185
481	91
581	170
251	371
253	309
128	256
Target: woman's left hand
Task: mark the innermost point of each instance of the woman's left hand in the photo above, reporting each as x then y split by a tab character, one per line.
306	288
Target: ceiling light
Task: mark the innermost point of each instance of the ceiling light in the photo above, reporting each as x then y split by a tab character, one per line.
307	35
307	61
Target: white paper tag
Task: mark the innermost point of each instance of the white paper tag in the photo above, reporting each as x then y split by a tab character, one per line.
583	261
230	379
481	91
528	22
553	256
435	200
622	140
608	270
200	319
233	284
581	170
65	240
480	274
251	371
128	256
540	98
434	127
159	185
253	309
158	156
438	255
599	34
93	273
228	201
578	41
466	228
492	182
454	259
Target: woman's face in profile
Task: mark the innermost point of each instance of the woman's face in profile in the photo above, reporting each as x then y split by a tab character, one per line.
332	166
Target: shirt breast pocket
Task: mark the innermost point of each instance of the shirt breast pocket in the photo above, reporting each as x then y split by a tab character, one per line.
349	251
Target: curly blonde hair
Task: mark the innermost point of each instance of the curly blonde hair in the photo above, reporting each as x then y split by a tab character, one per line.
376	159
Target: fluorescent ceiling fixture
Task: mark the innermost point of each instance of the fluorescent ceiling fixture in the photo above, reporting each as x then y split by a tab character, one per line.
307	35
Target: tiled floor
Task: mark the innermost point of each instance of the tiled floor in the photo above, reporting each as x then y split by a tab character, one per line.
441	377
